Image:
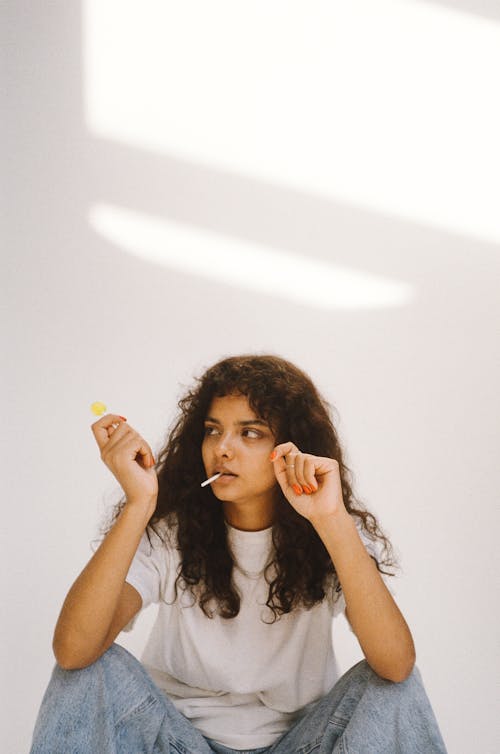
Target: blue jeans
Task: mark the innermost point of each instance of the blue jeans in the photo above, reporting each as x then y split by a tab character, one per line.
113	707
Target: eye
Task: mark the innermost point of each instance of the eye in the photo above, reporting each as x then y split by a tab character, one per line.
252	434
208	431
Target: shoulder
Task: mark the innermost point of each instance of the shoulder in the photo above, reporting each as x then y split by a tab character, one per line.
163	533
158	546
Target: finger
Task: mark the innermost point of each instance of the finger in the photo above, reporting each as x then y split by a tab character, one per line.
126	443
116	433
145	455
111	430
310	482
281	450
294	474
101	426
299	462
283	458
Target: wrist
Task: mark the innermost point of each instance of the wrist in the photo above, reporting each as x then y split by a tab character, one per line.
140	508
336	521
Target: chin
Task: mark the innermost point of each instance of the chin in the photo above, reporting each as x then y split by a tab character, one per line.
222	497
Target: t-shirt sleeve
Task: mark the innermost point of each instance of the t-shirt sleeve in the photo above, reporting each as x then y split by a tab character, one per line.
338	602
149	568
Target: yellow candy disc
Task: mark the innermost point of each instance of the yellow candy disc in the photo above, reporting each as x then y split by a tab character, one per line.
98	408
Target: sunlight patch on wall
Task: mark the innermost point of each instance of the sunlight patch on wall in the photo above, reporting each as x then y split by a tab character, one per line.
252	267
389	106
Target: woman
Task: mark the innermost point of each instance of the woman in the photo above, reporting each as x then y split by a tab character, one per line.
248	571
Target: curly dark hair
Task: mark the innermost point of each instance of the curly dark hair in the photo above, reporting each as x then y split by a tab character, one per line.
301	570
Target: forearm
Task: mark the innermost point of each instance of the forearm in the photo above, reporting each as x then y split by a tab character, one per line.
91	602
376	620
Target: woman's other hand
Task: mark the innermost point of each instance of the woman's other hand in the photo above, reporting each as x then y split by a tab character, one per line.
311	484
129	458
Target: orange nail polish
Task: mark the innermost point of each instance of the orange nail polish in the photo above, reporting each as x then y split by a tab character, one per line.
273	455
297	489
306	489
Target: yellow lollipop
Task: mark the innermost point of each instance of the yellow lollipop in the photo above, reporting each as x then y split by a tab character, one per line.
98	408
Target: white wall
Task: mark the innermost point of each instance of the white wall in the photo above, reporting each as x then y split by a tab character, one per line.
321	156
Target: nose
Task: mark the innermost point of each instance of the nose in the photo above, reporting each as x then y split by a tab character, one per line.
224	447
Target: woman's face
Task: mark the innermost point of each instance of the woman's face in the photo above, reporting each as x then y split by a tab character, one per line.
238	443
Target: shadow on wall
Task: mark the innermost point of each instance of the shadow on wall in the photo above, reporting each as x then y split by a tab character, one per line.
482	8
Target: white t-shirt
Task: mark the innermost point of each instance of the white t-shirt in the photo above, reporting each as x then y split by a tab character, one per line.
241	681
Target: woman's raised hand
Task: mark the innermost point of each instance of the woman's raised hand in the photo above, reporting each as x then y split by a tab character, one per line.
311	484
129	458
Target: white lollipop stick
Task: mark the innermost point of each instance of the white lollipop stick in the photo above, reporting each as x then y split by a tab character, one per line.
211	479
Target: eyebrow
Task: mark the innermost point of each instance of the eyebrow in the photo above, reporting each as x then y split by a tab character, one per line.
244	423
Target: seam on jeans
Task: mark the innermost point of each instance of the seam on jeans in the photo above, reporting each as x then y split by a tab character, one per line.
146	703
341	744
177	746
310	746
341	722
342	747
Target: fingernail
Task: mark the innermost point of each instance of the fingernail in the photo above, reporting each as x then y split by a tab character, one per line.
306	489
313	488
297	489
123	418
273	455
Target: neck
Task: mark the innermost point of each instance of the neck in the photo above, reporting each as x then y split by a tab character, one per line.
252	517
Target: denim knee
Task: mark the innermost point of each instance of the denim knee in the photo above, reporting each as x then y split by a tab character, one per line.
88	707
